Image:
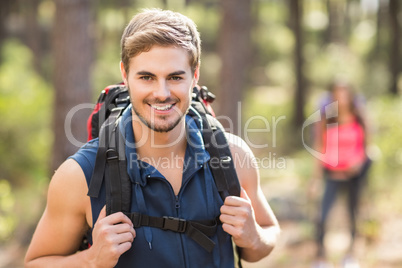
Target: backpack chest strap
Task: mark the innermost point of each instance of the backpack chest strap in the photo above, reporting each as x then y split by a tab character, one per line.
199	231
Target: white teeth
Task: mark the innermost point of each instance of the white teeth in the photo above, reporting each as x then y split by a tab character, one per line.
162	108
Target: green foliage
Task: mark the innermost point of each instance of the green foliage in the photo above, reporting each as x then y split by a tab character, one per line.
25	113
333	61
106	69
273	40
362	39
207	21
7	217
386	141
25	110
266	116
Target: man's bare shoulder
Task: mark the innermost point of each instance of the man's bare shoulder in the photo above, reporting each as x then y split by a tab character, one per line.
65	215
244	161
68	187
68	174
238	147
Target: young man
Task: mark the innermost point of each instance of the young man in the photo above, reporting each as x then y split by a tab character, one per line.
160	66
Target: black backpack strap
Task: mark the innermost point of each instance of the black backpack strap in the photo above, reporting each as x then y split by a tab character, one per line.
101	156
111	166
216	143
224	173
199	231
118	184
126	190
221	162
112	174
114	104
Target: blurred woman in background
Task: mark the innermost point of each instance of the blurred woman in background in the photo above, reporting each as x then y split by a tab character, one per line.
341	137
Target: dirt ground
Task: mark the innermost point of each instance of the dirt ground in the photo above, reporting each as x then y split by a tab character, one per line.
380	247
385	253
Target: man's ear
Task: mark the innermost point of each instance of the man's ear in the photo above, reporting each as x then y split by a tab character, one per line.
123	73
196	76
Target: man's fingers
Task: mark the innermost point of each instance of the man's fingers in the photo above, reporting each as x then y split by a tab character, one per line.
121	218
228	210
123	247
125	228
236	201
124	237
133	233
230	229
115	218
230	219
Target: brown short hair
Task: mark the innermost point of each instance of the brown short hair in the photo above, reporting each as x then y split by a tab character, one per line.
160	27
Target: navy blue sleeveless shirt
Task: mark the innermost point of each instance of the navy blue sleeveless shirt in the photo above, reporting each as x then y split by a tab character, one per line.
152	194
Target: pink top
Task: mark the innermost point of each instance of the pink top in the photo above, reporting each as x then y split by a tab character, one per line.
350	145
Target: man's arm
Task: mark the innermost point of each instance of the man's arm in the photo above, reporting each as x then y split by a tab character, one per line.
66	219
249	218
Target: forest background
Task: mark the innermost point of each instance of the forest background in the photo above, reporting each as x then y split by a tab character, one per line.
268	62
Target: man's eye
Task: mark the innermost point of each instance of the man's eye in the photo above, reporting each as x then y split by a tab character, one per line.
146	77
176	78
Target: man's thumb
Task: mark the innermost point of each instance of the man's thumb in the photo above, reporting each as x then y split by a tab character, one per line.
102	213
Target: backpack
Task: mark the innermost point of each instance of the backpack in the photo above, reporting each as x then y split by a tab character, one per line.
110	160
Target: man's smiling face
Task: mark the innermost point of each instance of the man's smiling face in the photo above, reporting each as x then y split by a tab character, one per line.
160	83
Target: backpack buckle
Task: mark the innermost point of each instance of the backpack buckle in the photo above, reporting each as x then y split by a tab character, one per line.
124	101
111	154
174	224
225	159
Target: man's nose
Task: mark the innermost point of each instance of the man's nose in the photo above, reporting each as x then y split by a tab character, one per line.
162	90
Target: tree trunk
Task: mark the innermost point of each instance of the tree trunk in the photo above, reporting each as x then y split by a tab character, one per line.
348	21
299	97
5	9
33	32
382	15
165	4
73	49
234	48
335	18
395	43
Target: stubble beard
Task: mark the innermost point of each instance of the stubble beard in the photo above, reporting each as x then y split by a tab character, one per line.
152	122
158	127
